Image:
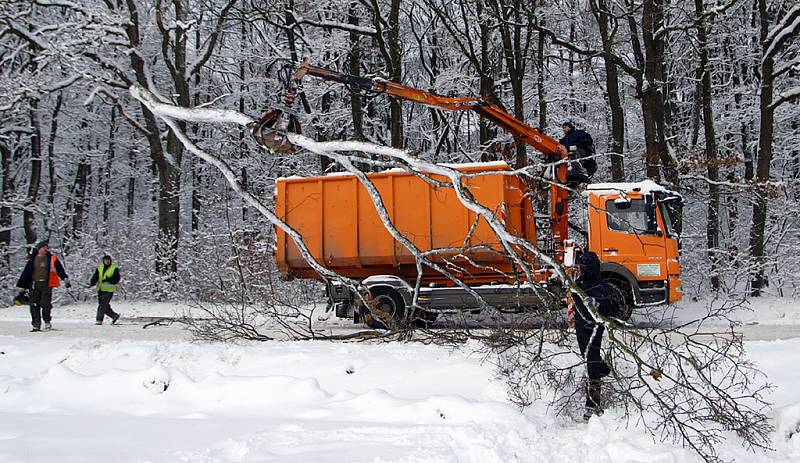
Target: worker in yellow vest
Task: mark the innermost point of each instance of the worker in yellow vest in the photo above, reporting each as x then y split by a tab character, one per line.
106	277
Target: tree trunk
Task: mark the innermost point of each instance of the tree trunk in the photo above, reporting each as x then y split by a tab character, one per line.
5	210
51	142
486	132
168	175
354	68
169	179
652	103
36	175
79	198
395	69
197	202
107	168
194	169
132	183
617	144
516	42
712	227
540	90
764	156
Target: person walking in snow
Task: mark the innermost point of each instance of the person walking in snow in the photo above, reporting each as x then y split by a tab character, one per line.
106	277
600	297
41	274
580	146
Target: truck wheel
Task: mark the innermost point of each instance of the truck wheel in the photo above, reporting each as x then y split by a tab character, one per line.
387	303
624	297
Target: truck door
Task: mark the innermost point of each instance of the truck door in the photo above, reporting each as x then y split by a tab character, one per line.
631	237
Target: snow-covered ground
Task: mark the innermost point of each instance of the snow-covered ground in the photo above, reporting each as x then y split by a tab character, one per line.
87	393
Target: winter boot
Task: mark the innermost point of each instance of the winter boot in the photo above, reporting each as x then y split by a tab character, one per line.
590	411
35	329
98	322
593	399
114	320
576	175
47	326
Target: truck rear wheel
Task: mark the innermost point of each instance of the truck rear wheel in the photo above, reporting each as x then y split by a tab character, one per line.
387	304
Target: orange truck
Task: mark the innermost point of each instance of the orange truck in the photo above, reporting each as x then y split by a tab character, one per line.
628	225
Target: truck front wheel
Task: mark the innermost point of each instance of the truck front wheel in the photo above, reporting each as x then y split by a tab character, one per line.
387	306
623	296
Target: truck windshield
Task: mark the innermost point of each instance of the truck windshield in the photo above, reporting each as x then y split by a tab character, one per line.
632	219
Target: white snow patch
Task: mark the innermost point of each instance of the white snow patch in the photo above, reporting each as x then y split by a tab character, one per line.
645	187
99	397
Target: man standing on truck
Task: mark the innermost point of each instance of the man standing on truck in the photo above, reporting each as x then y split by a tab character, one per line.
581	149
600	297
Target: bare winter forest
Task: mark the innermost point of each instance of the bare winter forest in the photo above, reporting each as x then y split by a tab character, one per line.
700	96
124	131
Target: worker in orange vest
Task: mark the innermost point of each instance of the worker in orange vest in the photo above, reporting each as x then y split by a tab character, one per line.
42	273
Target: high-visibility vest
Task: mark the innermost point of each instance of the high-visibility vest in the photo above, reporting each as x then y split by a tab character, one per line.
54	281
102	275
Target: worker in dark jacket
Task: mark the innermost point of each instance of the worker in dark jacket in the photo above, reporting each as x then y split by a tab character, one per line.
106	277
580	146
600	298
42	273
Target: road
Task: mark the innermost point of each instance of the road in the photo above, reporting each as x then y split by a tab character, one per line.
148	328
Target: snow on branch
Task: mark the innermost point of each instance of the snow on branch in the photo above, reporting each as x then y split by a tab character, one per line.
784	31
188	114
23	33
336	25
788	96
169	113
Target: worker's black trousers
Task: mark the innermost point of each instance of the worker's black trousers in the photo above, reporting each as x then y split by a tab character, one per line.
41	303
104	306
590	337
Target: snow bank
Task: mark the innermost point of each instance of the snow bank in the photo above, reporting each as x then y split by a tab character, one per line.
780	314
99	398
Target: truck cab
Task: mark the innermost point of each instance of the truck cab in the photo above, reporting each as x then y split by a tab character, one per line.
631	231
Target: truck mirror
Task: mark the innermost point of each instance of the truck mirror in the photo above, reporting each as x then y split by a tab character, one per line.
622	203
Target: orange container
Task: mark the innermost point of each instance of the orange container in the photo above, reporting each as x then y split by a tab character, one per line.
341	227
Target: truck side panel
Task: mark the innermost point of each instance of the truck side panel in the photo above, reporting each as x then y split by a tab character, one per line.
375	244
339	223
411	214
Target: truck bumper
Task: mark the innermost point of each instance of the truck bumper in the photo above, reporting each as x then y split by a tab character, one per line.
675	289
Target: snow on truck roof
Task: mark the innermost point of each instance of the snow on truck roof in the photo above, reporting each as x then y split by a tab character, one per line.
644	187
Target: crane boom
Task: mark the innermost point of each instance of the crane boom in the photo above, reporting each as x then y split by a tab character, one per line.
490	110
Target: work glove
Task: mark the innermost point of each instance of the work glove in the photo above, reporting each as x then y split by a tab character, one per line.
22	298
67	283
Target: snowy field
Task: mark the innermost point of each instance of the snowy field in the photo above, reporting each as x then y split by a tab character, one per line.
86	393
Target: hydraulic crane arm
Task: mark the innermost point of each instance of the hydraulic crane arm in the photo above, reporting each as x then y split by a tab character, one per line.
491	111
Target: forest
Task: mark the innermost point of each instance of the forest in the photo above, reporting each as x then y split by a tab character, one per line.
699	96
